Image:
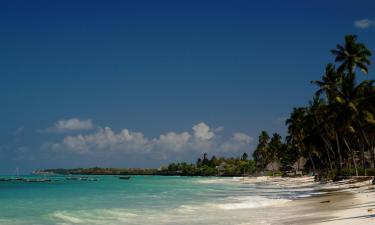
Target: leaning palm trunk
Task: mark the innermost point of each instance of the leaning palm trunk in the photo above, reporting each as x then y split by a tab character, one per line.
329	146
363	161
312	163
329	167
339	154
369	145
353	156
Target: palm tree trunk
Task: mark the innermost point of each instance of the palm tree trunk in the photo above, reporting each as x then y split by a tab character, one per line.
339	154
328	145
329	160
368	143
353	156
313	164
363	161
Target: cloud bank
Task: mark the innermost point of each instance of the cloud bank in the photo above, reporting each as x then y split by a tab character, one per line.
105	141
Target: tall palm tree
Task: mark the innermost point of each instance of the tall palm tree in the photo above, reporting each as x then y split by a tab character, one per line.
352	55
329	83
274	148
296	130
260	154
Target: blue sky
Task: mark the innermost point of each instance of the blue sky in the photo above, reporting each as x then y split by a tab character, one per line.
143	83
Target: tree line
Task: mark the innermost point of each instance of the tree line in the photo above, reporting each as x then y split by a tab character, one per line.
336	130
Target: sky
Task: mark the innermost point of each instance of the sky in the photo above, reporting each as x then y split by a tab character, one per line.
144	83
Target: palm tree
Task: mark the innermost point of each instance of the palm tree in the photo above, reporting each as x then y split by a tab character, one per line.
205	160
352	55
296	131
261	152
274	148
329	83
244	156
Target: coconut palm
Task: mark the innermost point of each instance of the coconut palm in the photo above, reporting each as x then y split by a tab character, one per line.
274	148
260	154
352	55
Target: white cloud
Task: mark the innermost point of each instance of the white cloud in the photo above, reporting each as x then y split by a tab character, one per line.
73	124
203	132
218	129
238	142
241	137
364	23
106	141
173	141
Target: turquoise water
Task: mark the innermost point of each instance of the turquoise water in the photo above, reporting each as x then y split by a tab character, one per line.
142	200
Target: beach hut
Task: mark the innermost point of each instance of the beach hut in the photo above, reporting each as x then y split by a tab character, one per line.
221	168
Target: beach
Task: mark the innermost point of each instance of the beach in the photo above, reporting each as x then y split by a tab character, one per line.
334	203
347	204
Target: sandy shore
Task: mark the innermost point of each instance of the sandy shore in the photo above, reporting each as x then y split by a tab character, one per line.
344	203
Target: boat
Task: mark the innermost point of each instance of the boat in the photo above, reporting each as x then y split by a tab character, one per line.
37	180
124	177
5	179
82	178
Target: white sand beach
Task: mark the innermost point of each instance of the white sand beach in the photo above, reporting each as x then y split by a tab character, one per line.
353	205
345	202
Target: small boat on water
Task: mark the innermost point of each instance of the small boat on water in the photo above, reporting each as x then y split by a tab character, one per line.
5	179
82	178
124	177
37	180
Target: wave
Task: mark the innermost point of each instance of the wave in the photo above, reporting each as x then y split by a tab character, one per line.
249	202
181	213
94	216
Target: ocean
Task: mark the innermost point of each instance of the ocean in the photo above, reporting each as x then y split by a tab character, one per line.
149	200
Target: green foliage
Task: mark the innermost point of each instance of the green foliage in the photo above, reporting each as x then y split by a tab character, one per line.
213	167
274	173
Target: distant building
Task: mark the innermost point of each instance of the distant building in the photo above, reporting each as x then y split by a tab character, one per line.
300	164
221	168
274	166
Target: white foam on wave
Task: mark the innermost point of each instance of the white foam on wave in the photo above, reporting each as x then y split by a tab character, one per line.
67	218
233	203
249	202
187	208
215	181
94	216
